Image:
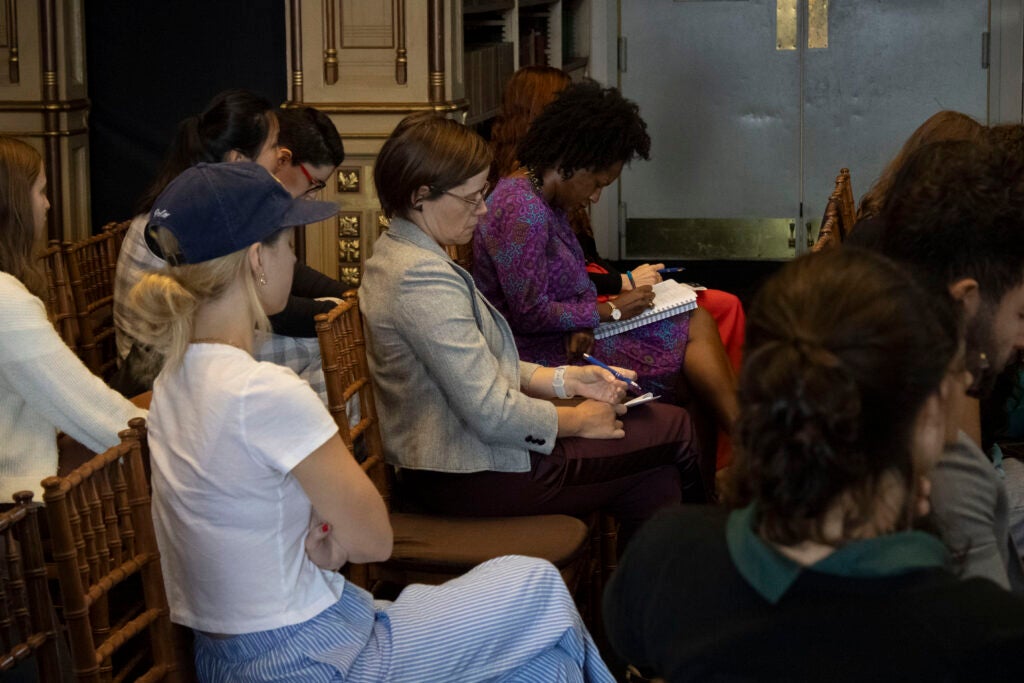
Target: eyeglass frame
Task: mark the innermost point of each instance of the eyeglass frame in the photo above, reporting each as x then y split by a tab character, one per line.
315	184
482	192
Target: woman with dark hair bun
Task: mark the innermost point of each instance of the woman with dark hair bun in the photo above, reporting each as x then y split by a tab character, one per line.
820	570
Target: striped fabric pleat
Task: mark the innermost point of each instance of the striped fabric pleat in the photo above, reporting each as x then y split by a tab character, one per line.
509	619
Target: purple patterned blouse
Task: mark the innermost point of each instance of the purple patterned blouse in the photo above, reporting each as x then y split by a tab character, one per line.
529	264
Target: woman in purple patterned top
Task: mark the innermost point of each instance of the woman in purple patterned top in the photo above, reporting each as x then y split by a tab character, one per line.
529	264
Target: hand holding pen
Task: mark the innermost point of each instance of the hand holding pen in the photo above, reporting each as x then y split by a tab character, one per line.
631	384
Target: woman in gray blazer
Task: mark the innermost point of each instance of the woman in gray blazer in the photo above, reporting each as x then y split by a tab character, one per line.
465	419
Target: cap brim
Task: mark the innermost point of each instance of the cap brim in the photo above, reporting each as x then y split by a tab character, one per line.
306	211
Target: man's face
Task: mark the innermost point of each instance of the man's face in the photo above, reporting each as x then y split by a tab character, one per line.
997	330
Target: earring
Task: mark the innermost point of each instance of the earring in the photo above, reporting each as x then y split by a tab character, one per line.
262	279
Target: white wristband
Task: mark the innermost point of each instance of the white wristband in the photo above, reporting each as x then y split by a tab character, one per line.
558	382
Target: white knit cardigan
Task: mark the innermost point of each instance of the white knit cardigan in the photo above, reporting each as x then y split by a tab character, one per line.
45	387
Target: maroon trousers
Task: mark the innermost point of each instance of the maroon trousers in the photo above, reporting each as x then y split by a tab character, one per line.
655	465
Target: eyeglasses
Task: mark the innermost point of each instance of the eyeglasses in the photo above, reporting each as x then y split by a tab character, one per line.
479	196
315	184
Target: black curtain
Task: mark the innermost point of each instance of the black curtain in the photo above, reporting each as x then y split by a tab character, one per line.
151	63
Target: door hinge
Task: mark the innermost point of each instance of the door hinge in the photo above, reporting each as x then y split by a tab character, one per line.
622	54
986	48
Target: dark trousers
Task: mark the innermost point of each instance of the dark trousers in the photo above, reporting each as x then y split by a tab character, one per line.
655	465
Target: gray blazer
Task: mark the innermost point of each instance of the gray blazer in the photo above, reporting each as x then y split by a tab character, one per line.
445	364
970	506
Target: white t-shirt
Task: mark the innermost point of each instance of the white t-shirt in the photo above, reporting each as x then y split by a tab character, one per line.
225	431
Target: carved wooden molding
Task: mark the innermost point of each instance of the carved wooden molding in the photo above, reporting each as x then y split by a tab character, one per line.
401	56
367	24
389	107
51	118
296	18
348	224
350	247
63	105
69	133
330	43
11	40
349	178
349	275
435	50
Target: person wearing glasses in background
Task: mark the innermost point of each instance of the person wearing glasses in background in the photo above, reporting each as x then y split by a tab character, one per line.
465	420
301	148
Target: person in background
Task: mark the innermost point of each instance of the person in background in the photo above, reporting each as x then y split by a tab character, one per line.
943	125
257	503
1002	412
529	264
468	423
532	88
309	150
44	387
955	218
818	569
237	125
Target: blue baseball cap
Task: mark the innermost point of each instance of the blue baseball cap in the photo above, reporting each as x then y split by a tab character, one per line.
217	209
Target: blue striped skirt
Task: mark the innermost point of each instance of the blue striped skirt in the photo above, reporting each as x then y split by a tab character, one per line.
510	619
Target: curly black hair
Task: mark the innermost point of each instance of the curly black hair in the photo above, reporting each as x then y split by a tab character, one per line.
586	127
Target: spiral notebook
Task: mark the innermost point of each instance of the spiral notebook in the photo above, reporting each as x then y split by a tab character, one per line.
670	298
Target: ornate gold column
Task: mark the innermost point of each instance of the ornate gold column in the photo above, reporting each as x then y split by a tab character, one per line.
43	102
51	119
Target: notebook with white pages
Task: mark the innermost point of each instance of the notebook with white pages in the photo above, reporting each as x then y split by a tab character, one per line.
670	298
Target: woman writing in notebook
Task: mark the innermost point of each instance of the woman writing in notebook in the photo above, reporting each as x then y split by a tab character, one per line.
527	93
460	414
529	264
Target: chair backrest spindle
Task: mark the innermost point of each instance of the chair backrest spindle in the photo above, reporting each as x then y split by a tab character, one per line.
27	627
101	513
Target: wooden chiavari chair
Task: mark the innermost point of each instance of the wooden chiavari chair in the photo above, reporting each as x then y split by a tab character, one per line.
428	548
840	214
27	626
118	229
60	302
91	266
103	542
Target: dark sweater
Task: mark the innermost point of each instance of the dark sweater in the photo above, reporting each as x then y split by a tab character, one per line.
678	606
608	284
296	320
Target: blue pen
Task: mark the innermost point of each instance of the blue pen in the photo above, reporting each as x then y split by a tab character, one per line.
618	375
670	270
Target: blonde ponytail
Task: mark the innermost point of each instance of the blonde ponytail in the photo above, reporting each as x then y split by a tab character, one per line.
165	302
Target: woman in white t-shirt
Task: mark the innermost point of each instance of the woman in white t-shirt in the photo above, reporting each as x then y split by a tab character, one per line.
256	501
43	385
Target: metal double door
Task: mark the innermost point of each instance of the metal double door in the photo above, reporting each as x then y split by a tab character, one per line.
753	106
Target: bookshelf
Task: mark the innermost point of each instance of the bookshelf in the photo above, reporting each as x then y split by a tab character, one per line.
500	36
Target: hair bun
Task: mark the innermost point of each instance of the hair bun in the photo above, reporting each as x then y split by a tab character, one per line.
801	417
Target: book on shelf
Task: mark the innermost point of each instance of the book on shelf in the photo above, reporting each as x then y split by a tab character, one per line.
670	298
